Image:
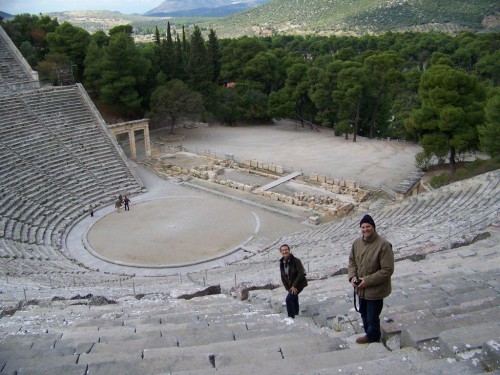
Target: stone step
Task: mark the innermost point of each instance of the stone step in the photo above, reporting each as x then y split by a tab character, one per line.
445	366
151	366
461	342
57	370
46	352
45	364
309	362
28	341
286	345
400	362
420	334
137	345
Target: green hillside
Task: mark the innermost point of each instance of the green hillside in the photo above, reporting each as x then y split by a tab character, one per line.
358	17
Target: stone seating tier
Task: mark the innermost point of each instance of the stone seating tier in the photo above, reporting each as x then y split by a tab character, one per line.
33	149
434	301
211	334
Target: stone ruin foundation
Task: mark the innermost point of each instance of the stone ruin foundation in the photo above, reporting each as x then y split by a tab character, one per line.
213	170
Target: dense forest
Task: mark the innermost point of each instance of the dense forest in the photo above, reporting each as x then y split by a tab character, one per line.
440	90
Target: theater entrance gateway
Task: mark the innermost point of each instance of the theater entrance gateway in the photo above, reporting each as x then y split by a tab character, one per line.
130	128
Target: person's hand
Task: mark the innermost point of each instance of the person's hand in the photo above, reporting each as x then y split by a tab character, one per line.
354	283
293	290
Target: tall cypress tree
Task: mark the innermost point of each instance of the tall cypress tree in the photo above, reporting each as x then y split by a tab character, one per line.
198	64
214	55
185	49
179	60
157	36
167	55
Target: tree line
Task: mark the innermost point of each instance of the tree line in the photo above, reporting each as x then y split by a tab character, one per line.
440	90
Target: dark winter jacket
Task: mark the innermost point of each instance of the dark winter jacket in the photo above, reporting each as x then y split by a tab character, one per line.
372	260
296	274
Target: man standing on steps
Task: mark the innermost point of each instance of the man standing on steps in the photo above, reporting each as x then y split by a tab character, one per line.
294	279
371	265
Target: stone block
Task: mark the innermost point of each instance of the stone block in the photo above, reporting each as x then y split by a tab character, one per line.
345	209
212	175
44	364
313	177
361	195
459	342
314	220
342	183
336	189
329	181
279	169
80	369
321	178
265	167
336	181
350	184
490	355
332	211
253	163
248	163
260	165
247	188
289	200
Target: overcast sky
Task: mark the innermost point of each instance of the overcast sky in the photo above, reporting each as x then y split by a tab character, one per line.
46	6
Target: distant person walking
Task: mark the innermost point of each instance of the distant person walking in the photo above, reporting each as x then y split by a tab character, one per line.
126	203
294	279
118	204
371	265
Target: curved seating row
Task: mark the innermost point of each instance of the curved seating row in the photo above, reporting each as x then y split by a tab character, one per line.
433	221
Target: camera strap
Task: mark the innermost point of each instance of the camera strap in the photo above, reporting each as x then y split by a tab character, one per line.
354	297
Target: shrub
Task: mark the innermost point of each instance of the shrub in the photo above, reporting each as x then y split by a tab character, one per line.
439	180
423	161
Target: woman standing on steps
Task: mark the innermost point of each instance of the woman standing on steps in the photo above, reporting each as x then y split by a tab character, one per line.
294	279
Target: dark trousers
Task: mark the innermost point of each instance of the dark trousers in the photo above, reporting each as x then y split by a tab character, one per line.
292	304
370	313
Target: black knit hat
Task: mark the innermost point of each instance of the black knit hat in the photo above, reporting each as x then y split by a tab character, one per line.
367	219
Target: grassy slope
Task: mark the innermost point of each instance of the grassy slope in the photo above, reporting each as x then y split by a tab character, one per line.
331	16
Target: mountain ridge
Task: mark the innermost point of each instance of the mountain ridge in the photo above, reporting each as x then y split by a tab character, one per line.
316	17
325	17
195	8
